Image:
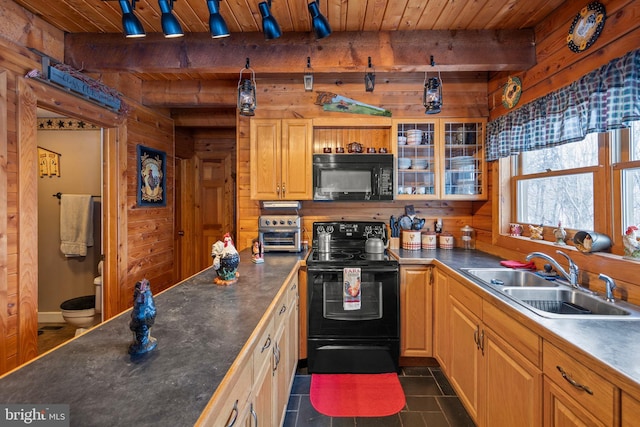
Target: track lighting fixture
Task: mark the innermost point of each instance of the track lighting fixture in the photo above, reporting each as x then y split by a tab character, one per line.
217	25
131	26
170	25
247	102
321	26
370	78
270	26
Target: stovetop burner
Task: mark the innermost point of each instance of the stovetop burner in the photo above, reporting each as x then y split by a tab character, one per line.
348	244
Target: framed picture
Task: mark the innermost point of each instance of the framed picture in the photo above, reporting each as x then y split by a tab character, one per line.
151	177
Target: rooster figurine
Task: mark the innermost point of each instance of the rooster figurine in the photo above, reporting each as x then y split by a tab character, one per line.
143	316
225	260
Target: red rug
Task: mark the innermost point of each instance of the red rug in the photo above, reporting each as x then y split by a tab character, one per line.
357	395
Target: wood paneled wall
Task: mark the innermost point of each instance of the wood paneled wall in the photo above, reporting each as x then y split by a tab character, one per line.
464	96
556	67
140	239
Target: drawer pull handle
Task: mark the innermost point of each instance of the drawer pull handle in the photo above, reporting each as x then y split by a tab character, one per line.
267	344
574	382
282	310
235	414
254	415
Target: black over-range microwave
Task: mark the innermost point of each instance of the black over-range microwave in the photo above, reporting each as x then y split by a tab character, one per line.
352	176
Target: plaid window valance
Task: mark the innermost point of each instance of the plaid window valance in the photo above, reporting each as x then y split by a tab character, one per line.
605	99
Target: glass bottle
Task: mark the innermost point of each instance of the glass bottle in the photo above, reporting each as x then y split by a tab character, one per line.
468	237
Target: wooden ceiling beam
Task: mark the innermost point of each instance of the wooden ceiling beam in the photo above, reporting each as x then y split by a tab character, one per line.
342	52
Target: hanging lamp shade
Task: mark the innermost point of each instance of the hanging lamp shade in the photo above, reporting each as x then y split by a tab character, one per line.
247	101
321	26
270	26
131	26
170	25
432	96
217	25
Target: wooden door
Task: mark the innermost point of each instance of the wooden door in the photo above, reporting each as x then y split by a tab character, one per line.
297	159
212	206
415	309
560	410
265	159
512	386
441	330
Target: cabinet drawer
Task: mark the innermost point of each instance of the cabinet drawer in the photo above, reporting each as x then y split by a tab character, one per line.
264	344
231	399
580	382
516	334
285	303
468	299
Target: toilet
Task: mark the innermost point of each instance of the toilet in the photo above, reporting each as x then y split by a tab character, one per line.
80	312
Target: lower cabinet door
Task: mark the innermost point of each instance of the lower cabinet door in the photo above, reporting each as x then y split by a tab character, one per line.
263	395
560	410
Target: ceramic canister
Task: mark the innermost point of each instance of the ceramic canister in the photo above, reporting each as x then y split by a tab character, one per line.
429	240
446	241
411	240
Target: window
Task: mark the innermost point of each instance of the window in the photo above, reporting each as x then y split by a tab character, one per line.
557	185
593	184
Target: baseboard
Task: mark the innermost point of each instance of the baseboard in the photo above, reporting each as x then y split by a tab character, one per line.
50	317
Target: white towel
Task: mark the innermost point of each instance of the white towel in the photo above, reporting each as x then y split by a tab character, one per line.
76	224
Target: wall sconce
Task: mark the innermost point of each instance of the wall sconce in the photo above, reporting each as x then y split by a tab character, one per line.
308	76
270	26
432	96
247	102
170	25
321	26
131	26
370	78
217	25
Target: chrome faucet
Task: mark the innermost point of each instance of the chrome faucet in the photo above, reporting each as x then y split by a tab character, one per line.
571	276
611	285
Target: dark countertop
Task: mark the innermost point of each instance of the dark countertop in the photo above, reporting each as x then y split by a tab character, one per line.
200	327
615	344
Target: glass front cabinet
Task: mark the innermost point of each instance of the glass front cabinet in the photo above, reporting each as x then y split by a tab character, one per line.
440	159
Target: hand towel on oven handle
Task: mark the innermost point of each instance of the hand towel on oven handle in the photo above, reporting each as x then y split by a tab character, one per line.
352	295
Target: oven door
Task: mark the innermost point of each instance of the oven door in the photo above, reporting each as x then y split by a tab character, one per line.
343	339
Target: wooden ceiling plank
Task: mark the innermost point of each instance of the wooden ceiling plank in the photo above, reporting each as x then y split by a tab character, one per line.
300	18
455	50
376	11
356	11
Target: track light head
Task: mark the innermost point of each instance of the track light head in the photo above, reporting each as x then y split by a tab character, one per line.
131	26
321	26
217	25
170	25
270	26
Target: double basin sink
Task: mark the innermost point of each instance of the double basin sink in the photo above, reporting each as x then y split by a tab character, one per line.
551	297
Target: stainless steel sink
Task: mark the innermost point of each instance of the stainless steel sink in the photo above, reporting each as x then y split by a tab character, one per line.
564	302
509	277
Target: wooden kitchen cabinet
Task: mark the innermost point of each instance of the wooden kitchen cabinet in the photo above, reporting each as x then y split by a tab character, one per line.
495	372
574	395
416	311
281	159
630	410
441	329
446	161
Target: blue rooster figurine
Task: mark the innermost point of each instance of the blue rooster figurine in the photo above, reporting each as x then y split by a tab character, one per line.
143	316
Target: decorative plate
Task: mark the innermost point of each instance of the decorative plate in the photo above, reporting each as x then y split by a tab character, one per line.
586	27
511	93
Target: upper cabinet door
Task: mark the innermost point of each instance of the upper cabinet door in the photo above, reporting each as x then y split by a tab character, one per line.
465	170
297	160
265	155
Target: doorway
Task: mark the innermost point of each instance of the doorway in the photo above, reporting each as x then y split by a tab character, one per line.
70	168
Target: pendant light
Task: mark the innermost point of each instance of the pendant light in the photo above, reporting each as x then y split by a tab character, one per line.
270	26
131	26
247	102
217	25
321	26
170	25
370	78
432	95
308	76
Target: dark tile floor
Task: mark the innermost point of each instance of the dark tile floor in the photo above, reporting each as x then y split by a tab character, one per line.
431	402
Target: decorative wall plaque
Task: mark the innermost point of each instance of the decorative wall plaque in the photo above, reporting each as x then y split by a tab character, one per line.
586	27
